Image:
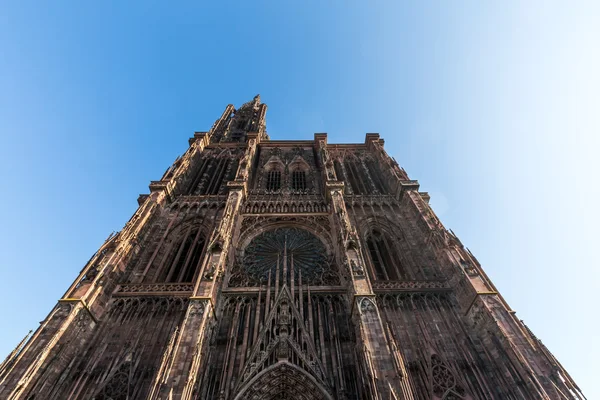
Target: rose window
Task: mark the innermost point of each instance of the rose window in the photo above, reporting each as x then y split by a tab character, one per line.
284	252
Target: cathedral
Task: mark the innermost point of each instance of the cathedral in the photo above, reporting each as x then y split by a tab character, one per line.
262	269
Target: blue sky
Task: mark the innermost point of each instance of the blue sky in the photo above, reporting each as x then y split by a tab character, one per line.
493	107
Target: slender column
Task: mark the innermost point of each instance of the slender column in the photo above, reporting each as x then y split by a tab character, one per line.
277	278
257	315
292	277
268	297
285	266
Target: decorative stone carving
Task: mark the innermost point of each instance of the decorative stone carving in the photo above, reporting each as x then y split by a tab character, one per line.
357	269
154	288
196	308
210	271
367	305
409	285
285	251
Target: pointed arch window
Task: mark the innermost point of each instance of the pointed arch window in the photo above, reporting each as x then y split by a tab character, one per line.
216	180
338	170
356	176
376	176
184	258
299	180
210	177
384	257
273	180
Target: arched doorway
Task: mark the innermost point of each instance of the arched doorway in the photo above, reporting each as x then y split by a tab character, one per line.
283	381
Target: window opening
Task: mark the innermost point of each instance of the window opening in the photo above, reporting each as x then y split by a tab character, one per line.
273	181
298	180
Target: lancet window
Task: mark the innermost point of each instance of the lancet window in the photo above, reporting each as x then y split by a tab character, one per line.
339	172
299	180
384	258
376	176
183	258
356	176
273	180
211	175
361	174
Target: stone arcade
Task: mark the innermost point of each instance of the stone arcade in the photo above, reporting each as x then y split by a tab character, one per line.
266	269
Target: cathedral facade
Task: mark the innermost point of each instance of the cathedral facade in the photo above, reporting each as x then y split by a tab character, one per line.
265	269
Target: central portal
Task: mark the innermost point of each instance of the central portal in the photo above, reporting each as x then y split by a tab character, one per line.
284	325
283	381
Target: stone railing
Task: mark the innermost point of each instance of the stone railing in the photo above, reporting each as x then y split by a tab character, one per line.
409	286
379	199
284	204
154	289
193	202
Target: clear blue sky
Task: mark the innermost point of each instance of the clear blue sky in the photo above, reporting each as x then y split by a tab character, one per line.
494	107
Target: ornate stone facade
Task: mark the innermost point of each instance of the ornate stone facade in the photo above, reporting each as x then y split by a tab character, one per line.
264	269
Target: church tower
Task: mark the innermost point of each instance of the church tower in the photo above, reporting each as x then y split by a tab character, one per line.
265	269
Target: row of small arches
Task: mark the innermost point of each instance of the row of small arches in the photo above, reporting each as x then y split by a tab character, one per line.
257	208
197	206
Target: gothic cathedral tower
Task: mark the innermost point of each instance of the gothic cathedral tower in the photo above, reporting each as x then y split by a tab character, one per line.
265	269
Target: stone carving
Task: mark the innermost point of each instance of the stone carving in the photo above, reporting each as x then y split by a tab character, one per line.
196	308
292	204
156	288
443	381
367	305
469	268
409	285
323	153
210	271
285	251
357	269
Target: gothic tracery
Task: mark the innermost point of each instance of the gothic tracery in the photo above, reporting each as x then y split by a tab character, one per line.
295	254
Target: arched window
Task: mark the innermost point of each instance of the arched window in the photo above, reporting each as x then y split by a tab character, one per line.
356	176
184	258
376	176
216	175
298	180
273	180
211	174
338	170
384	258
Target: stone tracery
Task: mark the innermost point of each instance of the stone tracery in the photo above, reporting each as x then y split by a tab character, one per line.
283	381
286	253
